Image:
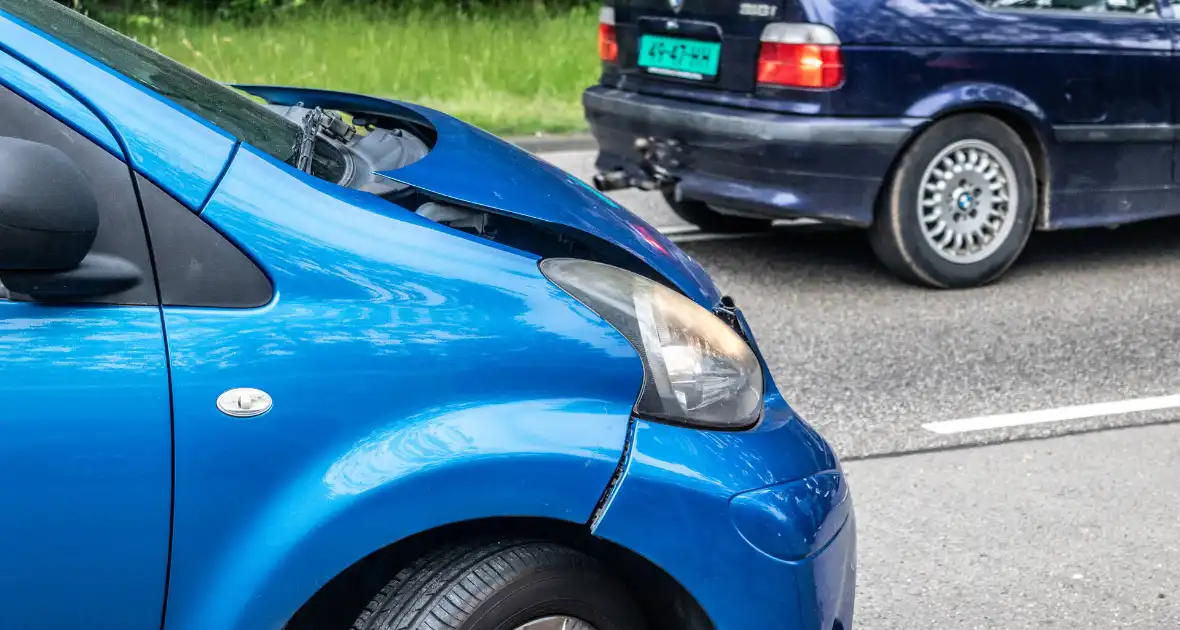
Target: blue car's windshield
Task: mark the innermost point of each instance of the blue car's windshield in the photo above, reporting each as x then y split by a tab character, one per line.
239	116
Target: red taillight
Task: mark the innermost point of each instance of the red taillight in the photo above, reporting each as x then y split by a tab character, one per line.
800	65
608	45
800	55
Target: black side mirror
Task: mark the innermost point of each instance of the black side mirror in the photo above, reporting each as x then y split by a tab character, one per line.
48	223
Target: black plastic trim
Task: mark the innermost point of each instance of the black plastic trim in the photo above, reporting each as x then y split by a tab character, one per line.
1116	133
195	264
735	124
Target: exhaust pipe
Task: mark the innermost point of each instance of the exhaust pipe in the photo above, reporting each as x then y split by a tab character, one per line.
656	156
618	180
612	180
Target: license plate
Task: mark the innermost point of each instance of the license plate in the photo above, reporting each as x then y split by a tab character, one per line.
676	57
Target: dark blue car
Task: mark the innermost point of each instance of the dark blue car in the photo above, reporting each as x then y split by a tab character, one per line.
951	129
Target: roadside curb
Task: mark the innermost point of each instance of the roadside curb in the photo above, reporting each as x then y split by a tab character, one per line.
547	144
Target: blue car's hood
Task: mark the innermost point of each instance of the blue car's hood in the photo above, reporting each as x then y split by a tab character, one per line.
472	167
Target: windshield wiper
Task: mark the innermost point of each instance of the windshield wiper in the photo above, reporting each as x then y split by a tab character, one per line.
311	127
314	122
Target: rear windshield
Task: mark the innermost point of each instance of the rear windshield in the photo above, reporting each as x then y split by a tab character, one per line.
239	116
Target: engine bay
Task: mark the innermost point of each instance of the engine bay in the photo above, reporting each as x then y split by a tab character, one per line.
371	142
383	143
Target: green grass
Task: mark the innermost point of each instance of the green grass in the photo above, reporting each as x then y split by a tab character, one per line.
510	71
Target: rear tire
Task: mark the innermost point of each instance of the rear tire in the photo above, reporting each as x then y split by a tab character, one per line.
961	224
701	215
504	585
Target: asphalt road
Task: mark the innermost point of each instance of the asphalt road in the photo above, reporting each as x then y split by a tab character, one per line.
1068	523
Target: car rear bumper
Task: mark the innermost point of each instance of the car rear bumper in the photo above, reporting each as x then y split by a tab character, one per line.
720	513
750	162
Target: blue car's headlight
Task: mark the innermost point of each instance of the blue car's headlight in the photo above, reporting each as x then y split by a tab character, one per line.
697	370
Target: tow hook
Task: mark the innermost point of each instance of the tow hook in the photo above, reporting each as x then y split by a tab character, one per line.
656	157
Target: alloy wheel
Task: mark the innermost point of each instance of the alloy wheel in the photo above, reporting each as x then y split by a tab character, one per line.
966	201
557	622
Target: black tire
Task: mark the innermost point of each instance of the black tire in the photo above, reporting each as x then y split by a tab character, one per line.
701	215
896	234
500	586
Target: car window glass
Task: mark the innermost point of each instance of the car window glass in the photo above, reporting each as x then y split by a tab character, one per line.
233	112
1091	6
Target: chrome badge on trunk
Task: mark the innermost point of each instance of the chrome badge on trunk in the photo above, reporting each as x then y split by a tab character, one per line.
757	10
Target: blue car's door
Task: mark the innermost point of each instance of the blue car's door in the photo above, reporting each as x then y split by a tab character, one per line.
85	432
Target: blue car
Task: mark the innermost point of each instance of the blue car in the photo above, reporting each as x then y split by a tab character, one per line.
310	359
949	129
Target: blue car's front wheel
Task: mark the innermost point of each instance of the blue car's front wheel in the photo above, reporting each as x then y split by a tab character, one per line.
502	585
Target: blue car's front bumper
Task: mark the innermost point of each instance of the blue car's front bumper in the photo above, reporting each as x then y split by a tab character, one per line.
754	162
757	525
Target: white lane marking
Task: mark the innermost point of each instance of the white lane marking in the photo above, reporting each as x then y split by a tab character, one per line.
572	154
1114	408
709	236
673	230
795	222
693	234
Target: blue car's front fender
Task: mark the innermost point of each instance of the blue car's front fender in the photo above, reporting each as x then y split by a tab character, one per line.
420	377
540	458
